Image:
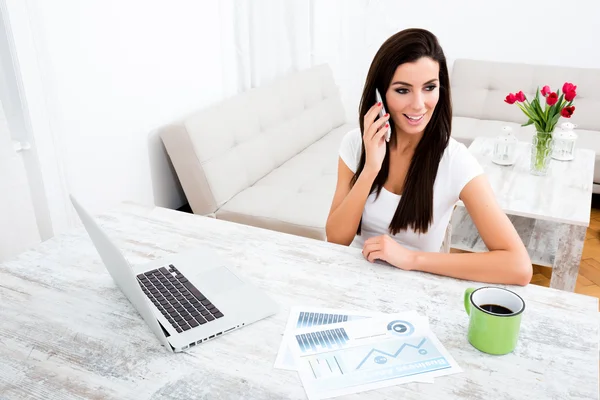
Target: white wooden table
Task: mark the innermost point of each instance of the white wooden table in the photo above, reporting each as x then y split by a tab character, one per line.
551	213
67	332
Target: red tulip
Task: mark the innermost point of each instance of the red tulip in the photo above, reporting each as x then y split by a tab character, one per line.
552	99
570	95
546	90
520	97
569	87
567	111
510	99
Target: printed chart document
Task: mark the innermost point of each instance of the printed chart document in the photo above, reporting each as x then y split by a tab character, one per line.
307	317
371	352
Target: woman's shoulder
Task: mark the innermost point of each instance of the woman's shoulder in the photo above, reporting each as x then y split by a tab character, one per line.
455	148
459	164
353	136
351	148
455	151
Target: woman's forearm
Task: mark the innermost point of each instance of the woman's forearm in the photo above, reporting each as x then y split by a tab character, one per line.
498	266
343	222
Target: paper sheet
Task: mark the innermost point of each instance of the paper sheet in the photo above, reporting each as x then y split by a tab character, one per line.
306	317
364	351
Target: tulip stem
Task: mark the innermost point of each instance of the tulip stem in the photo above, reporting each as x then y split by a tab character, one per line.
543	148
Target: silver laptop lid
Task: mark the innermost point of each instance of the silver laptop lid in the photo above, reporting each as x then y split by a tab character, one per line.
120	270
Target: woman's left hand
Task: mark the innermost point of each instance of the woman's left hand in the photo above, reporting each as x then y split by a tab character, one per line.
387	249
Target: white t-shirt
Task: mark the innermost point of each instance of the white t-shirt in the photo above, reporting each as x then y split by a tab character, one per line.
457	167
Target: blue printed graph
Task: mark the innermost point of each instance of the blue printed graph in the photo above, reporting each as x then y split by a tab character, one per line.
328	339
400	328
307	319
324	366
382	356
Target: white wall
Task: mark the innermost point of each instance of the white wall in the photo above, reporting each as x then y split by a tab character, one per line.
110	72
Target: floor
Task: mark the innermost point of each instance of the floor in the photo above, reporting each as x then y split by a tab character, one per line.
588	281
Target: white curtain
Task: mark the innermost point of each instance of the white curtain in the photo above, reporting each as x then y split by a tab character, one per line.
18	228
263	40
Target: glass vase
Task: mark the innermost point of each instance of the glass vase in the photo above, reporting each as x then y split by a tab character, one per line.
541	153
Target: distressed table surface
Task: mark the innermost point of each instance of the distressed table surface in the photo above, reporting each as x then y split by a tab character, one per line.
67	332
550	213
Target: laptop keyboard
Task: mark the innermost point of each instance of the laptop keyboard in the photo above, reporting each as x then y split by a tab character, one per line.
180	302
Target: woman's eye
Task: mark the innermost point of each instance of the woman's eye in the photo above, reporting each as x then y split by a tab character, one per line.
429	88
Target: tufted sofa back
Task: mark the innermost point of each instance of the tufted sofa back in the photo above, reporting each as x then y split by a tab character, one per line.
227	147
479	88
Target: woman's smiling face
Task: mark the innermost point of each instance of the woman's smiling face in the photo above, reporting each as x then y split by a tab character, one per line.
413	94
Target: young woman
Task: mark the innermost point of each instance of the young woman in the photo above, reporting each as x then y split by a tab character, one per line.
395	199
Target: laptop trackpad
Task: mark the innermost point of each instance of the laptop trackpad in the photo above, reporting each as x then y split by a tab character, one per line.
220	280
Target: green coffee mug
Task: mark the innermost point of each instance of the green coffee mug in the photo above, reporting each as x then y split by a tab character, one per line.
494	319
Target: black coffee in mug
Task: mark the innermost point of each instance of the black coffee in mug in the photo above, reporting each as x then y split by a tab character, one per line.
496	309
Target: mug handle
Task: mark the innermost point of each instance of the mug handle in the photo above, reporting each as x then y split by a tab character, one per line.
467	300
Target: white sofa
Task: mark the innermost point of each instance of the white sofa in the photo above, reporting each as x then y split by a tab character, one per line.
268	157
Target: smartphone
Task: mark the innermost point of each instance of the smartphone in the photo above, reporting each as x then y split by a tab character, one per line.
382	112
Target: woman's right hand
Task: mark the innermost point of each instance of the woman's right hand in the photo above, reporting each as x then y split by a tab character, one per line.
374	138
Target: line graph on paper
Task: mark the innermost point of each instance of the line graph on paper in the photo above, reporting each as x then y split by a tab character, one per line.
382	357
394	357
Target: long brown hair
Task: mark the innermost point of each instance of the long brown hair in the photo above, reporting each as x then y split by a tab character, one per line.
415	209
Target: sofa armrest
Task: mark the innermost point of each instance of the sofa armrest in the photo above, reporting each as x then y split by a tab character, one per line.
189	169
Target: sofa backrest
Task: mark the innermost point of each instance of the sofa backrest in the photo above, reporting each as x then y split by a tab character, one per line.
225	148
480	87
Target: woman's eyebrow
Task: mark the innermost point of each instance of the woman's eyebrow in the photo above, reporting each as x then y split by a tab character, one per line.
408	84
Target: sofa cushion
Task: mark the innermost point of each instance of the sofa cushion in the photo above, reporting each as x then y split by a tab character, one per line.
295	197
587	139
221	150
465	129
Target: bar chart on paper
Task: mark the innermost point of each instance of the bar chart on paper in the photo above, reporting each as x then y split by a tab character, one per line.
308	319
310	342
325	366
322	340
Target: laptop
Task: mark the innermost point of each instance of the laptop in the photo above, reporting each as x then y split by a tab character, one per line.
186	299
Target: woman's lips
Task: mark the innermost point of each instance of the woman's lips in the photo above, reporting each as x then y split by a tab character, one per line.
414	119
